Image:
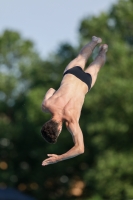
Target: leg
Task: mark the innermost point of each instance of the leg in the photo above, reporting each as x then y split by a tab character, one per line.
95	66
84	54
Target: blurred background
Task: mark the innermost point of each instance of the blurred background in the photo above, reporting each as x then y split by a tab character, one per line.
37	40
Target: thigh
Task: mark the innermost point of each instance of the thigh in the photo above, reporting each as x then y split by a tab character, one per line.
78	61
93	71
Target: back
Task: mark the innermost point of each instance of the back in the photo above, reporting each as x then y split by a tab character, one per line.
69	98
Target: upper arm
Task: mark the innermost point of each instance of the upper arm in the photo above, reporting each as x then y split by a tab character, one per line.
48	94
77	135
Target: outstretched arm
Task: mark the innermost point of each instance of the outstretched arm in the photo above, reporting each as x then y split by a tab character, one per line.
77	149
48	94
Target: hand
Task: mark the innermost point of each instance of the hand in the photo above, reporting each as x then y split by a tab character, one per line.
53	158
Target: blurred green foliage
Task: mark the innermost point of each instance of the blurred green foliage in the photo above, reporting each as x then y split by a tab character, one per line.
104	171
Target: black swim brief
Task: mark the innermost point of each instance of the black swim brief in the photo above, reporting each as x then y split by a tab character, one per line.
79	73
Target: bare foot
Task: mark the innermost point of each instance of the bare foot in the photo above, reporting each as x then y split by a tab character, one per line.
103	48
96	39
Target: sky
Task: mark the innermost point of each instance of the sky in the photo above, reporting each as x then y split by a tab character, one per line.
48	23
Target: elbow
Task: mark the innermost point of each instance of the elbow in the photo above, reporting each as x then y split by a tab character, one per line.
81	150
52	89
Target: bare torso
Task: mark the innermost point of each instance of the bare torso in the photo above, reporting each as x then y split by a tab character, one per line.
69	98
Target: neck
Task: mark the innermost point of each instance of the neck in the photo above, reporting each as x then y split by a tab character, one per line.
57	118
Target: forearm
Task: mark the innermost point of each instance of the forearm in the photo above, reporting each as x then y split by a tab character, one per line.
73	152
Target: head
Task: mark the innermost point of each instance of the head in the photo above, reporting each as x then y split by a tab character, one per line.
51	130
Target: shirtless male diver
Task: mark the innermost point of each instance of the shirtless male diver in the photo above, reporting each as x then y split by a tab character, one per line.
65	104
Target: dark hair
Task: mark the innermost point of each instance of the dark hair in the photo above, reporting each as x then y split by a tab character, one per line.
50	131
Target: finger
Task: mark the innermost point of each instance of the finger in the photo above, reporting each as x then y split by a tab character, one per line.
48	160
50	155
44	163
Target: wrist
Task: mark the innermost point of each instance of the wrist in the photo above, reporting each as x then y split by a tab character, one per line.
60	158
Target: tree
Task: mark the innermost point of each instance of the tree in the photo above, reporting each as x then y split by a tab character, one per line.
109	129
